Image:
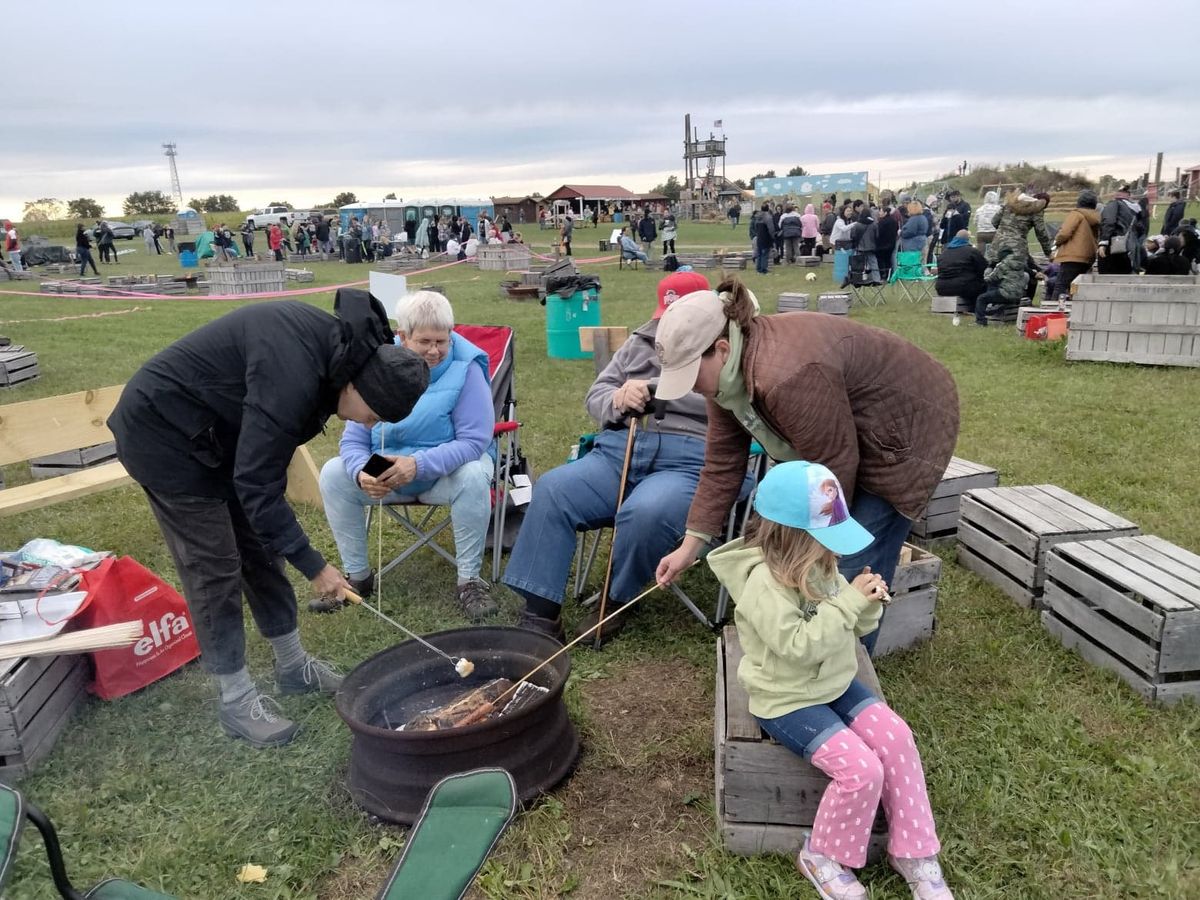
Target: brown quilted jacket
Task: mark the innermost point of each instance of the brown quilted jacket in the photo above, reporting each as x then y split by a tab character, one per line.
878	411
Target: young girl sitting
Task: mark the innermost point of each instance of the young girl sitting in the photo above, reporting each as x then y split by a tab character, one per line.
798	621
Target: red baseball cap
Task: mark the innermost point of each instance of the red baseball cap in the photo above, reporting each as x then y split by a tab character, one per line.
676	285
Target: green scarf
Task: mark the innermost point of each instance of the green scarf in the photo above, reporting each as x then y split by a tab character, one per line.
733	397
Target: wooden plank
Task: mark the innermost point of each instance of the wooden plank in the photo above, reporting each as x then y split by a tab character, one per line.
615	334
1136	329
20	675
1174	691
969	560
719	736
1172	560
1109	518
1171	590
739	724
65	487
767	782
1064	517
1096	655
303	479
1108	560
34	428
1132	648
908	622
1179	650
991	522
1073	576
1017	567
1012	506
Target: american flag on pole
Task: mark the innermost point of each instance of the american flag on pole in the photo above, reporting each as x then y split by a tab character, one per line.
717	124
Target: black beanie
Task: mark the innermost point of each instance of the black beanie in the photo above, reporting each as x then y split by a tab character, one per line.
392	381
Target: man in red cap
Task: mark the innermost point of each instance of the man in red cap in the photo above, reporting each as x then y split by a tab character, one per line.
664	468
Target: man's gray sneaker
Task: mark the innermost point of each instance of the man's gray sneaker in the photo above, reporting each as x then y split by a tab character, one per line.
311	676
258	720
475	599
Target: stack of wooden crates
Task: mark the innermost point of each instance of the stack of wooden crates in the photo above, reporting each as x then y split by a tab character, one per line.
237	277
37	697
1149	319
939	521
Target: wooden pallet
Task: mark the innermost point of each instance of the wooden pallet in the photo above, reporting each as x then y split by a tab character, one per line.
766	796
836	304
1131	605
56	464
939	522
37	697
1005	533
17	365
1149	319
911	619
943	305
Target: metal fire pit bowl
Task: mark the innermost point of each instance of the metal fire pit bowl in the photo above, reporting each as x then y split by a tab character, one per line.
392	771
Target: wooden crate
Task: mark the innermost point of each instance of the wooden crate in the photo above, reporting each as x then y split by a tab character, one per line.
910	620
946	305
792	301
1005	533
836	304
37	697
503	257
1149	319
17	365
939	522
1132	605
72	460
766	796
245	277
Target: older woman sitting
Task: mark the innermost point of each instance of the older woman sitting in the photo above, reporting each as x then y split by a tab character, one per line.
441	455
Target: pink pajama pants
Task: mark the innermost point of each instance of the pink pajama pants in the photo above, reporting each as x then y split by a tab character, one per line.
872	760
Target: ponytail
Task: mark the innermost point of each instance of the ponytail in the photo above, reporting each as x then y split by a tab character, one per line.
741	306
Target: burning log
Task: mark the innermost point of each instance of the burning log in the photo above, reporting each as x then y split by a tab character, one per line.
476	705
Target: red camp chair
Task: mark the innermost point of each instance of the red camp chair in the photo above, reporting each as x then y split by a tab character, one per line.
416	517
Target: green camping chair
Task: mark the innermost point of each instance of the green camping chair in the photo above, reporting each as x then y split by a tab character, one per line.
913	276
463	818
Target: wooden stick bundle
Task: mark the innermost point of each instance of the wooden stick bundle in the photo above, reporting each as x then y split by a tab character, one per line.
106	637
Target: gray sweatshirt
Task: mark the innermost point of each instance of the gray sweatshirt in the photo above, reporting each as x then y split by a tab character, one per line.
636	359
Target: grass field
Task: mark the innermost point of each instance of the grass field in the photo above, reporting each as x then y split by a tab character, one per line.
1049	777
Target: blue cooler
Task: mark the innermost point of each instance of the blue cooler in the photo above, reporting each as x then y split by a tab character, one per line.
187	259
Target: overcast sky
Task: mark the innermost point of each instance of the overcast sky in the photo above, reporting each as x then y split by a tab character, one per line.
298	100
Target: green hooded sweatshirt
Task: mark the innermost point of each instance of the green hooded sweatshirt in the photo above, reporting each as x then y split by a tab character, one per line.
798	653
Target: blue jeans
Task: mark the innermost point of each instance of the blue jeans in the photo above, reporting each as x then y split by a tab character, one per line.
663	472
466	490
762	258
890	529
803	731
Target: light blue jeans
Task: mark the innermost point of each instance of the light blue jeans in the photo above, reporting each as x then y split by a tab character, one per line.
466	490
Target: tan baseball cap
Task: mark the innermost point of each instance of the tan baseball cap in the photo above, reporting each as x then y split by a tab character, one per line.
689	327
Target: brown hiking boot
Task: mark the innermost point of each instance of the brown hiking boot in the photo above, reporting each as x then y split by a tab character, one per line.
551	627
609	630
475	599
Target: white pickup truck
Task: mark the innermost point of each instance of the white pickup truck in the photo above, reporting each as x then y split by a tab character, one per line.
272	215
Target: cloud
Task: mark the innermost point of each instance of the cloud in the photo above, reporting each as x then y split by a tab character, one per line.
420	100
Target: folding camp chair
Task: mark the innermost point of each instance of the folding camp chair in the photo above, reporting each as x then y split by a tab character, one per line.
915	277
588	542
462	820
417	518
866	291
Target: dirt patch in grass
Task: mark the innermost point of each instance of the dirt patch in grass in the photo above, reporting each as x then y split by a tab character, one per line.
642	788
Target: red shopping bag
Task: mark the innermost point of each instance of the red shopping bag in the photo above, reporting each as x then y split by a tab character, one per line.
122	590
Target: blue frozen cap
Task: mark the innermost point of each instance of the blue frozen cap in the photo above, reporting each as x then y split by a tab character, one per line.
807	495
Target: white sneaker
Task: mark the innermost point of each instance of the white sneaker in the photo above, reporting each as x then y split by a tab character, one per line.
924	877
831	879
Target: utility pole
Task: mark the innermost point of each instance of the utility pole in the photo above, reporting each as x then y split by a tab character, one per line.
1158	168
169	150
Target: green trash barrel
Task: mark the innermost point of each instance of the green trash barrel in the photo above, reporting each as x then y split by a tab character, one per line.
564	317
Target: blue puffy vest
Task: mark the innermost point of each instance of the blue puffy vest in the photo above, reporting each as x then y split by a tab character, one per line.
430	424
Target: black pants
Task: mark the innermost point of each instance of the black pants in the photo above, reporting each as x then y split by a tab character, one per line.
1068	272
85	259
807	246
248	243
988	298
1115	264
107	250
670	243
219	557
566	246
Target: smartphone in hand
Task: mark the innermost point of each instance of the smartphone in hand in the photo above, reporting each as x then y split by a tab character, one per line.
377	465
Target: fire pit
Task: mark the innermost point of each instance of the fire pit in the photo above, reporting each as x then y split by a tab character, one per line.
392	771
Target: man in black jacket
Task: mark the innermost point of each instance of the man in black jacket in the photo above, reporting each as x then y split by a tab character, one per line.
956	218
960	272
1174	213
647	232
764	239
208	427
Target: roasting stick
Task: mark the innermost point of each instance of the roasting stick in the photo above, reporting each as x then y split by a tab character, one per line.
462	665
561	651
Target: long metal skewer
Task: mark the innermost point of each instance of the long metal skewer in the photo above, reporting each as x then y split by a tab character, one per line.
354	598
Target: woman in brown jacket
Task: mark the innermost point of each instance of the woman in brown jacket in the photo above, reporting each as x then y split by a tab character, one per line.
1077	241
878	411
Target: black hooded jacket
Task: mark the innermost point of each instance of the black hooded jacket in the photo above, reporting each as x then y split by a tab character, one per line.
220	412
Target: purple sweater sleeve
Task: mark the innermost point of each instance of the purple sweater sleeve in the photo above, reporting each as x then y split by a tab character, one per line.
355	448
473	419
